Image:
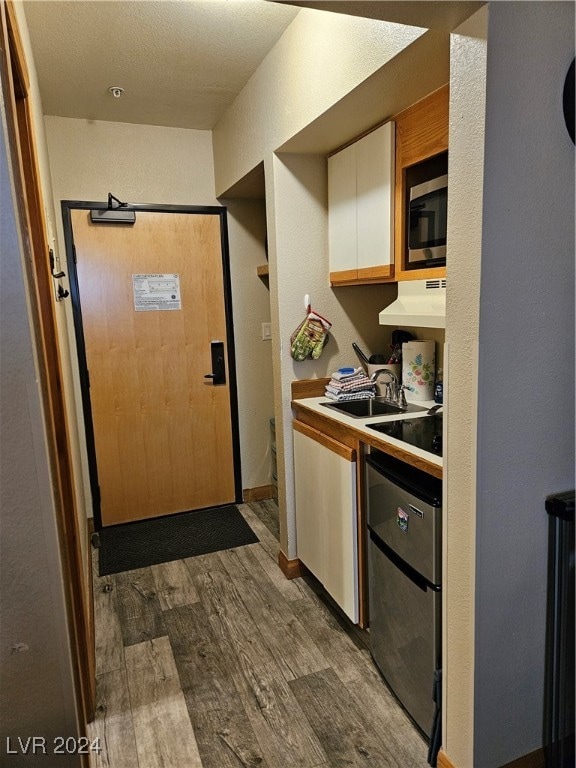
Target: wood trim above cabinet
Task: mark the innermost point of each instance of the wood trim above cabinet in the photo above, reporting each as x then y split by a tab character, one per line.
422	129
343	451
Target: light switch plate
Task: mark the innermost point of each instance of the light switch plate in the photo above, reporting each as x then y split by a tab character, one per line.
266	332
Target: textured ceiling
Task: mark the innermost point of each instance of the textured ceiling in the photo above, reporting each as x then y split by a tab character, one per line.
181	62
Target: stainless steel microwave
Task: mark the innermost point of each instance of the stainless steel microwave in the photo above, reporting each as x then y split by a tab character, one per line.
427	223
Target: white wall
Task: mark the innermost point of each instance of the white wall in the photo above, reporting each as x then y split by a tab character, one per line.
137	163
37	694
251	306
526	365
318	60
151	164
466	141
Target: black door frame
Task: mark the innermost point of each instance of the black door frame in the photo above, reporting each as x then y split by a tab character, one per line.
67	207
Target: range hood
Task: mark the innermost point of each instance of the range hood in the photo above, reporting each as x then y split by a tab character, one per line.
420	303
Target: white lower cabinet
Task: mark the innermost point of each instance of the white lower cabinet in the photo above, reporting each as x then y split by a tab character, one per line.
326	514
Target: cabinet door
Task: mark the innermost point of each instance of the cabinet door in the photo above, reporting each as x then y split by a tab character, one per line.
375	198
340	543
308	471
326	516
342	211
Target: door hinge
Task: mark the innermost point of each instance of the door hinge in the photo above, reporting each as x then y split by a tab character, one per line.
88	377
74	252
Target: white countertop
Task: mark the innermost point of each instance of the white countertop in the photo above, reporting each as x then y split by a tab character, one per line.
317	404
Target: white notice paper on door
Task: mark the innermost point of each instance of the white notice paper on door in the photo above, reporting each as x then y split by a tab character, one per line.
156	292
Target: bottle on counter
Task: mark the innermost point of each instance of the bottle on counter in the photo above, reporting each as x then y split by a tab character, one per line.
439	388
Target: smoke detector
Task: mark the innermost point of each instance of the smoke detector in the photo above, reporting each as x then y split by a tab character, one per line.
116	91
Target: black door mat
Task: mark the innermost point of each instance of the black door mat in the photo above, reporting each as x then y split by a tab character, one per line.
150	542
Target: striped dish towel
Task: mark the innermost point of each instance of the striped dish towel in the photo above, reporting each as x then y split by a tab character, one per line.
352	385
343	396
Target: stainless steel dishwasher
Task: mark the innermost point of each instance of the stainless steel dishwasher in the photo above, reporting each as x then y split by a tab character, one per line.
405	563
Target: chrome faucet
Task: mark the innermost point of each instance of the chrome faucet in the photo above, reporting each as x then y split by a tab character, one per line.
394	391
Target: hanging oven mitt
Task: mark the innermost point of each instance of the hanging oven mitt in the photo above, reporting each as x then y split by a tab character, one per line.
309	338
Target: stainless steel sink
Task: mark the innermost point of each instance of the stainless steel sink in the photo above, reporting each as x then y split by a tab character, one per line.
362	409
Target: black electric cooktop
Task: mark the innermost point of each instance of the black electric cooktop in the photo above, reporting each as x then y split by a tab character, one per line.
424	432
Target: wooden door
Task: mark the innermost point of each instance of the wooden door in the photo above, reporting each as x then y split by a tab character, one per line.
162	432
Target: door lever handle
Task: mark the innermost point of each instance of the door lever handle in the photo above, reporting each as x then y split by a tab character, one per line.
209	376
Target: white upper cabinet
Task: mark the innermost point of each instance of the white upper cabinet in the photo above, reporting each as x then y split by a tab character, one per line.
342	228
375	197
361	208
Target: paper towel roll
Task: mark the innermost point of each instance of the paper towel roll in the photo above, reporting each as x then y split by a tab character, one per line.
418	369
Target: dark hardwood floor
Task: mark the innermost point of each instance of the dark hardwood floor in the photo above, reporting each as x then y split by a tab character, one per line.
218	661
